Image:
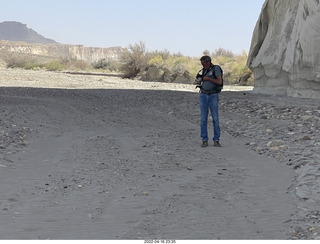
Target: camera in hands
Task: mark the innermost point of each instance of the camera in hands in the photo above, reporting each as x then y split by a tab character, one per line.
198	81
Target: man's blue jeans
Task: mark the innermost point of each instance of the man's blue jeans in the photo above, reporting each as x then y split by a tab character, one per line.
209	102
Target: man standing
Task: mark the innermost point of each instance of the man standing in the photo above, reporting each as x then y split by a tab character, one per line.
209	100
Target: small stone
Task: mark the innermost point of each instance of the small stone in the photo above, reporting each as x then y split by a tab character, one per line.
252	144
22	143
278	148
305	138
306	117
275	143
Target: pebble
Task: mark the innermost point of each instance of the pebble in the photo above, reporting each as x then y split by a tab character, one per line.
275	143
269	130
305	138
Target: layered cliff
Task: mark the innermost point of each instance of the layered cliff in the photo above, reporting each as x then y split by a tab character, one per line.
285	48
89	54
18	38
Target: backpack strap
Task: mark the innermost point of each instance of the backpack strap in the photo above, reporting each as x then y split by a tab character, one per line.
214	71
218	87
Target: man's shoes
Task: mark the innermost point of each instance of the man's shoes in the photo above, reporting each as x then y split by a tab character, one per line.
217	144
204	144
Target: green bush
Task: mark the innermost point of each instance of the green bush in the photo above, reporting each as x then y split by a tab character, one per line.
54	66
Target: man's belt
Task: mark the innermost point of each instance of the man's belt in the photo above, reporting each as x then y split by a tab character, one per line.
207	93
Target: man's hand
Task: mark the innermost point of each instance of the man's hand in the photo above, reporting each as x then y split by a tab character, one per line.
206	78
215	81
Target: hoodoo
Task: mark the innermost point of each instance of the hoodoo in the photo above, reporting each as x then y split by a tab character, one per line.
285	49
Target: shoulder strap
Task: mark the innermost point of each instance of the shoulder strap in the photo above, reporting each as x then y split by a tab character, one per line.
214	70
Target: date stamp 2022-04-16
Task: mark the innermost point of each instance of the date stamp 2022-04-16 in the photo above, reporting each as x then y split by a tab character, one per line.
160	242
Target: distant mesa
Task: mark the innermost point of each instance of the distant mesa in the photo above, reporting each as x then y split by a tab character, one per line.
15	37
16	31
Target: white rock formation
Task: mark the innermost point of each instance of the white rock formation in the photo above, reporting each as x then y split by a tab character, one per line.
285	48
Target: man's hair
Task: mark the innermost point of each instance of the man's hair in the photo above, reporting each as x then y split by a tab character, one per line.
205	59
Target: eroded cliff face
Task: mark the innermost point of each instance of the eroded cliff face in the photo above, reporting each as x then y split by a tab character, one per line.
89	54
285	48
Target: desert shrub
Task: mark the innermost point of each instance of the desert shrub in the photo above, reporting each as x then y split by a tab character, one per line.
74	64
114	65
101	64
221	52
14	60
183	65
240	73
163	66
134	59
33	66
106	64
234	67
157	60
54	65
165	54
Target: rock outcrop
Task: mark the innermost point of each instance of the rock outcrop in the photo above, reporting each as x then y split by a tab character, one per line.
285	49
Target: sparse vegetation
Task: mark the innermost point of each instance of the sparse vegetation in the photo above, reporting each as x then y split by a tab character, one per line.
54	65
14	60
234	66
75	64
23	61
137	62
108	65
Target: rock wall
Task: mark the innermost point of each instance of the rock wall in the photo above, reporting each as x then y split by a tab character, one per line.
285	49
89	54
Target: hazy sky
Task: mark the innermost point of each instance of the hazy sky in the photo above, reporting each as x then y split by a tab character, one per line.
186	26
